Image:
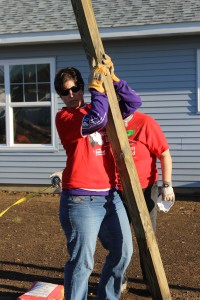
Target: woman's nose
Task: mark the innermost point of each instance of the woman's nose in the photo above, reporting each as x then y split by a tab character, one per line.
71	93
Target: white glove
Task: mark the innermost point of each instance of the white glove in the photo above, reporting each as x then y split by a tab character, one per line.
56	179
167	192
163	205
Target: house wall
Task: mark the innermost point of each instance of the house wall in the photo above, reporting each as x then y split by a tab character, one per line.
162	71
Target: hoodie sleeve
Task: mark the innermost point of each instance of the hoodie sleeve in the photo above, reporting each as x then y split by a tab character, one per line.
129	100
98	115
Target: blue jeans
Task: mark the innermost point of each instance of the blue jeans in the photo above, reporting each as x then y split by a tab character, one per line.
84	219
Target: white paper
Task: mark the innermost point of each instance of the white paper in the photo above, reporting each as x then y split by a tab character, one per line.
41	289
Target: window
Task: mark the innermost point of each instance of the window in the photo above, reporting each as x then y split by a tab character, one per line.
198	81
27	104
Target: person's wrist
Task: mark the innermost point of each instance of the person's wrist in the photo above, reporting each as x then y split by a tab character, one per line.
166	184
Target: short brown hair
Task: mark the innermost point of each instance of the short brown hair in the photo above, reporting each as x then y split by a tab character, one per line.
66	74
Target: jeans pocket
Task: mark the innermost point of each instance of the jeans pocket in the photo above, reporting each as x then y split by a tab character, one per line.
77	199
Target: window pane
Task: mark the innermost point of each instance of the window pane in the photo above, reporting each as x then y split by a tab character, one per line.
30	93
16	74
2	94
2	126
29	73
2	87
16	93
32	125
1	75
43	73
44	93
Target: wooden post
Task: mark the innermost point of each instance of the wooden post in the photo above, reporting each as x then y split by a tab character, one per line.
117	135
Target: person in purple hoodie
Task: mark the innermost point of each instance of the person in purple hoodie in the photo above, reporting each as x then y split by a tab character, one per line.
90	206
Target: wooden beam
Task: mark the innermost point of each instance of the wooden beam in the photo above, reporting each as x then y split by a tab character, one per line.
140	218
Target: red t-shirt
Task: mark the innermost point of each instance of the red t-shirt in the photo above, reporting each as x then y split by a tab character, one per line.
147	142
90	162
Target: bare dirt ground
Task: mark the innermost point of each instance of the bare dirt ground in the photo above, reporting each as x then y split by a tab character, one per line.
32	248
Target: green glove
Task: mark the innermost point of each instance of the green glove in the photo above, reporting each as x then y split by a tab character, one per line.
97	77
109	64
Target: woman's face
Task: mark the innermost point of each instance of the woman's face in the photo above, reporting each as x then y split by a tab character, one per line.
74	99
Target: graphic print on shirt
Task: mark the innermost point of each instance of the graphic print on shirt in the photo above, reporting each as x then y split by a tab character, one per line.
132	143
99	142
95	139
130	132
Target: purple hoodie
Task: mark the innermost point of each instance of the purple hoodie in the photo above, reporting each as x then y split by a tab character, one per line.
97	118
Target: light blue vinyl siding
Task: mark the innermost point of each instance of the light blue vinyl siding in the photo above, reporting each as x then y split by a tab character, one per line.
163	71
164	74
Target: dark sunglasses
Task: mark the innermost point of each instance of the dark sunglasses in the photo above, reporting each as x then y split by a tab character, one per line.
74	89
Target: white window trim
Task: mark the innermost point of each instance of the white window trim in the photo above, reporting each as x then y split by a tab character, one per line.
198	81
34	147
